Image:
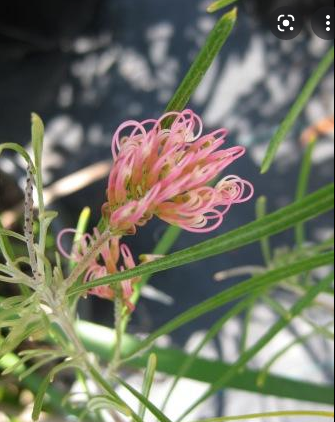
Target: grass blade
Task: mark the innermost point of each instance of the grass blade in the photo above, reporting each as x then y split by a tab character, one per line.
310	207
297	109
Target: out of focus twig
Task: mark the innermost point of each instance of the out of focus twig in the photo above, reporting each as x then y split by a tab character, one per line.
62	188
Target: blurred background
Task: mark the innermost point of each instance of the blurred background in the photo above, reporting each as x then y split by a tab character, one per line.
87	65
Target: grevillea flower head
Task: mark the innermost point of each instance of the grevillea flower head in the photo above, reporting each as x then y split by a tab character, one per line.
105	264
165	172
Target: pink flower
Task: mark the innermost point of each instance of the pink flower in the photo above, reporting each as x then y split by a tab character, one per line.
165	172
105	264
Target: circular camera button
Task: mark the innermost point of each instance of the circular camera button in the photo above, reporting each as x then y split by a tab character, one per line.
323	23
286	23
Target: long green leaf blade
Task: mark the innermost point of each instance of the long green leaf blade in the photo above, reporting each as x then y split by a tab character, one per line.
20	150
210	50
252	286
151	407
311	206
98	339
148	382
303	187
297	109
283	414
219	4
296	310
39	399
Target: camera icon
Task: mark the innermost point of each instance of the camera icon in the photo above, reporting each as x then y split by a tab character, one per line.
286	23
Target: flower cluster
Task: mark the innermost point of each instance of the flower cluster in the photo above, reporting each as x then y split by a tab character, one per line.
105	264
165	172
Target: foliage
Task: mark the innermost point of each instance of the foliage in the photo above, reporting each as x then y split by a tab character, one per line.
45	309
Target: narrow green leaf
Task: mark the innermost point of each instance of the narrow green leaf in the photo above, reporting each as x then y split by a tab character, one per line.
296	310
6	247
214	330
82	225
281	353
310	207
219	4
107	402
297	109
100	340
43	388
284	414
39	399
148	382
151	407
261	211
37	135
9	233
252	286
303	187
17	148
210	50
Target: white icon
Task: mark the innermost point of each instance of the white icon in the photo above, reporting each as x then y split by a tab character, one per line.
285	23
328	23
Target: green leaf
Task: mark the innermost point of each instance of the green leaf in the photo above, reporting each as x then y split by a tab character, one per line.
261	211
43	388
99	340
17	148
107	402
310	207
210	50
282	352
39	399
214	330
303	187
252	286
151	407
82	225
148	382
244	359
9	233
220	4
297	109
37	135
5	246
261	416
